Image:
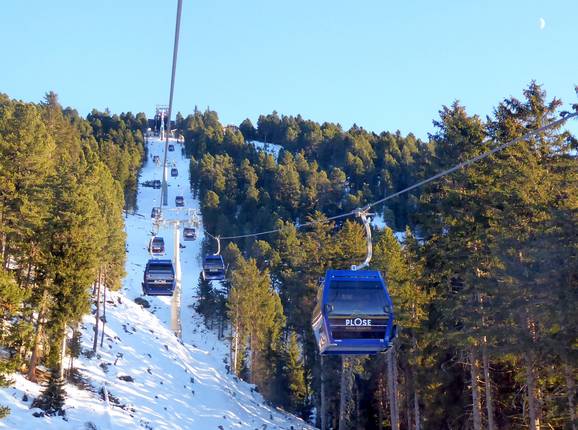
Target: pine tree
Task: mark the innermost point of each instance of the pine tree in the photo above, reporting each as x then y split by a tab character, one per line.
529	208
457	216
11	298
295	376
256	316
403	271
248	130
206	302
26	162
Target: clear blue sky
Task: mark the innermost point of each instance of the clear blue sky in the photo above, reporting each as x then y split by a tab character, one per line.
382	64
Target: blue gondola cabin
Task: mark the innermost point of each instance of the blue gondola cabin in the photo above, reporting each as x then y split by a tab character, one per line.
213	268
159	278
353	314
189	233
157	246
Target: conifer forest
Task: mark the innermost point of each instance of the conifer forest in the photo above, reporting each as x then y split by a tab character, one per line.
481	264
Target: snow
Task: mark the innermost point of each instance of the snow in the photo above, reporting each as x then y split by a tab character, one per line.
270	148
379	222
176	384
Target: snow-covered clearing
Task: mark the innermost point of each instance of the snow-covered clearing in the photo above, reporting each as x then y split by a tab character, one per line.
154	381
379	222
270	148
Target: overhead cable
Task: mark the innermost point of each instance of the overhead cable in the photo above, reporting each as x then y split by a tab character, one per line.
164	189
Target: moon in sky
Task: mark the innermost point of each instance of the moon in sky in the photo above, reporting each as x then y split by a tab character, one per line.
542	23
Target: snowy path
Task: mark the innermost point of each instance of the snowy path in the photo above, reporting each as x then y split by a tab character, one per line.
154	381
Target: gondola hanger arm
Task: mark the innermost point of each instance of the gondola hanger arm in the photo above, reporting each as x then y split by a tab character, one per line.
365	217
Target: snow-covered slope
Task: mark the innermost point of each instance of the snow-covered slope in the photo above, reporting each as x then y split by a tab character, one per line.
153	380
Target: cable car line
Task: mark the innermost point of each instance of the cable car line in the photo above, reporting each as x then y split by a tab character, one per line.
164	190
443	173
160	276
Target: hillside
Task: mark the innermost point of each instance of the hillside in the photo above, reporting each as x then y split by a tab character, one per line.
153	380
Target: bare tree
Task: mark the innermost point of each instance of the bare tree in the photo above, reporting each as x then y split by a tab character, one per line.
345	392
571	388
38	334
323	400
475	377
103	315
392	388
97	316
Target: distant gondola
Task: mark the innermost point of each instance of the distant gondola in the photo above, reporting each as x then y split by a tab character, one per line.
179	201
156	212
189	233
174	172
159	278
171	147
213	268
157	246
353	314
157	183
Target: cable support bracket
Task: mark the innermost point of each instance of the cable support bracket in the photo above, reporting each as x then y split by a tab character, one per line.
366	218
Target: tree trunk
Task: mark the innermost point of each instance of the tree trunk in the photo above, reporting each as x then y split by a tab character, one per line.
235	351
533	411
221	325
28	275
476	401
235	341
408	412
488	385
357	405
392	389
342	397
380	415
416	413
103	315
252	367
323	402
396	391
381	397
2	236
571	387
72	352
346	371
2	242
97	316
62	354
416	410
38	333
